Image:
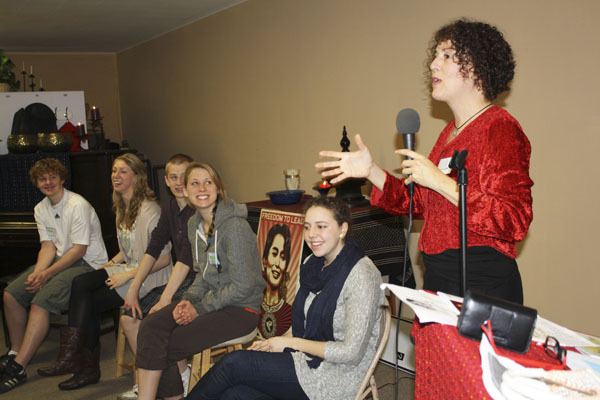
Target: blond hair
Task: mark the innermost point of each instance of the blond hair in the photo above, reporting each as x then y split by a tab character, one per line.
126	214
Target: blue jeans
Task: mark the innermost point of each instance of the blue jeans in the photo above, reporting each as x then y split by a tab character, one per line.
250	375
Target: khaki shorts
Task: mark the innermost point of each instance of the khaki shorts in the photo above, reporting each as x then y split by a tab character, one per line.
55	294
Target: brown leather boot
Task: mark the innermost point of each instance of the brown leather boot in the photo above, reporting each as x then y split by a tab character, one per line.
88	373
67	361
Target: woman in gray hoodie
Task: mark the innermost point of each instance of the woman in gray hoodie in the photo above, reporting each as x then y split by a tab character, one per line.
223	301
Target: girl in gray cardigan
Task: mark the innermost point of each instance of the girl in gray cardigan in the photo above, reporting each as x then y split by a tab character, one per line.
335	325
223	301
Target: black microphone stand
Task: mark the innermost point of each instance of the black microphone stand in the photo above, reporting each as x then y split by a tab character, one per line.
458	162
411	197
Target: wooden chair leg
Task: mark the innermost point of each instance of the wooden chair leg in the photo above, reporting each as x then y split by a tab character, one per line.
202	362
374	392
206	362
195	373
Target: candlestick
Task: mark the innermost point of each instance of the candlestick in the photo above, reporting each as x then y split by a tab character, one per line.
32	82
24	73
95	113
80	129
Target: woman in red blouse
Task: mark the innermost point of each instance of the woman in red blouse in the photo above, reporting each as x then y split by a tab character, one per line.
471	64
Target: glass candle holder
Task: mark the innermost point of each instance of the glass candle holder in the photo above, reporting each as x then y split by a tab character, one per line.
292	178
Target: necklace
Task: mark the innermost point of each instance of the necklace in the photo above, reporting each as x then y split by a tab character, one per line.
457	128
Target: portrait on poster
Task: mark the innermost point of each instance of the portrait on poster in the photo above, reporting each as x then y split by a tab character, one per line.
279	239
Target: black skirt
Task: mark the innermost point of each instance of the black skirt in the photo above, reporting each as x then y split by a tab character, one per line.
488	271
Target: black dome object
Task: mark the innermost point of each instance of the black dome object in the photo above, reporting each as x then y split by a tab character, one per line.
33	119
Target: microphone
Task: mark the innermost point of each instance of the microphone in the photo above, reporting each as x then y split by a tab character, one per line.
408	123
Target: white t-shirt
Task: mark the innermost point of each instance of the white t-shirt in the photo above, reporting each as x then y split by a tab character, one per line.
72	221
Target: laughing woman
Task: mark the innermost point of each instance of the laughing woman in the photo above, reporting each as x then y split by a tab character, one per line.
335	325
223	301
93	293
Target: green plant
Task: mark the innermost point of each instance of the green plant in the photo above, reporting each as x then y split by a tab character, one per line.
6	72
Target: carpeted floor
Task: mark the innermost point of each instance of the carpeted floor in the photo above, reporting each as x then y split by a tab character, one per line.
109	387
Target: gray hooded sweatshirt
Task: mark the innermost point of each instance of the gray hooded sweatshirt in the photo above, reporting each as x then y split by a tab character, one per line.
228	266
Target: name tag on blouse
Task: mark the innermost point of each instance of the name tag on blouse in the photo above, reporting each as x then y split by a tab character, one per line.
444	165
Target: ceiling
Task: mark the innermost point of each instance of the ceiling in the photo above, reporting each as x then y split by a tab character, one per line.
95	25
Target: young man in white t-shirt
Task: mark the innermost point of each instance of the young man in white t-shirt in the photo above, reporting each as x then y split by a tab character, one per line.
71	244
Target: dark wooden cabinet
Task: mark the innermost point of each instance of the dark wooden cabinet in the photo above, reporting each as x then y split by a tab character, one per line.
89	176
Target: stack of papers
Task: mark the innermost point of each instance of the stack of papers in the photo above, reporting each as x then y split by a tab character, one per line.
504	379
565	336
427	307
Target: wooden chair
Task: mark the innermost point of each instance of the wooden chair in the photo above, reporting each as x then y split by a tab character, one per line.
203	361
368	385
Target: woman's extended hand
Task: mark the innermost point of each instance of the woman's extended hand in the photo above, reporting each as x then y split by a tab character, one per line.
118	279
184	312
132	302
355	164
275	344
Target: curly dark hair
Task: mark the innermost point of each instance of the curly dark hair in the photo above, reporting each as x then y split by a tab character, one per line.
338	207
47	166
482	49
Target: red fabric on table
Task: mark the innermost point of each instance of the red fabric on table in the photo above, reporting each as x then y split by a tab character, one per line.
448	365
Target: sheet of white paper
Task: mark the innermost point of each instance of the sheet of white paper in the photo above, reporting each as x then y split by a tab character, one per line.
427	306
565	336
451	297
577	361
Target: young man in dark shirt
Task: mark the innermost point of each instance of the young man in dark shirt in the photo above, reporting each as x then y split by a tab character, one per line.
172	226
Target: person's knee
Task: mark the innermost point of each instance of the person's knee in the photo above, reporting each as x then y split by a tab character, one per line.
130	325
233	363
8	300
11	304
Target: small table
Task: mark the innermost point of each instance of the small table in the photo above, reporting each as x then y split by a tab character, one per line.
448	365
379	234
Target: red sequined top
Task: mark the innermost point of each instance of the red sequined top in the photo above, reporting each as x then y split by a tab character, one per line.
498	190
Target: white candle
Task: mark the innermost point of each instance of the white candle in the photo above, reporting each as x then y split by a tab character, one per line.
41	84
31	69
23	67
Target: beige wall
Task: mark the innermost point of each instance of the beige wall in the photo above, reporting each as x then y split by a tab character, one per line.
264	85
94	73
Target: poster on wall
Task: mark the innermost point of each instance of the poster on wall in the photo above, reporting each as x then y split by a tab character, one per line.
279	239
65	104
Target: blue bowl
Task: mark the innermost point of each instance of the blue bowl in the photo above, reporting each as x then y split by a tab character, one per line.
285	196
